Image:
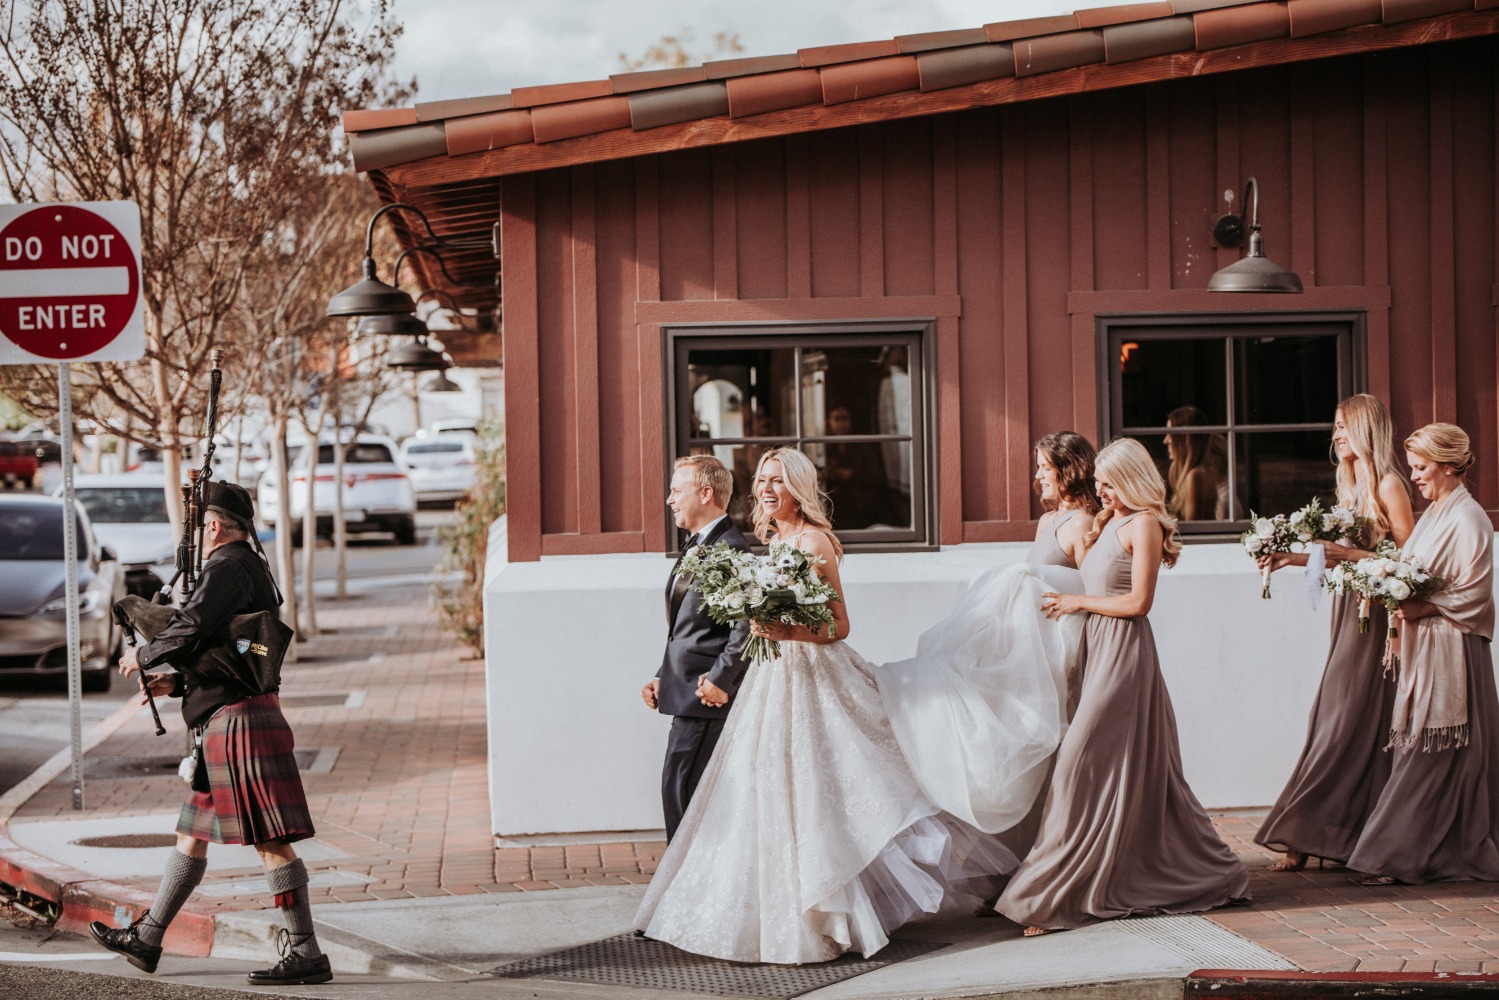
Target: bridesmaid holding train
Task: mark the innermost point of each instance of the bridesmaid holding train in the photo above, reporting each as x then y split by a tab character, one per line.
1343	765
1121	832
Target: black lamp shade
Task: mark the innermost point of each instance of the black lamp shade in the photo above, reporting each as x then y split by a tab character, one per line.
393	325
370	297
441	383
1254	273
417	357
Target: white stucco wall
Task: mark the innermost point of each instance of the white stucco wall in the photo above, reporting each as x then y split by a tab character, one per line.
571	639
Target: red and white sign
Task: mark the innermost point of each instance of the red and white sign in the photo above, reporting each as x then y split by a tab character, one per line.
70	283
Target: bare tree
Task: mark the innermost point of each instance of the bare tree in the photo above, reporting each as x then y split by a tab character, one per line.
682	49
213	116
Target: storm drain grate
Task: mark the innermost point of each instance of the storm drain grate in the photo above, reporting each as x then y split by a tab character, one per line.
137	840
641	963
162	765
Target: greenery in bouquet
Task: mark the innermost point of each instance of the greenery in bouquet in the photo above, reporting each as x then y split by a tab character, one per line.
780	586
1387	577
1297	531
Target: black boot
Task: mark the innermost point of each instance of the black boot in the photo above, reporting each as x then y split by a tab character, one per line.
123	941
293	969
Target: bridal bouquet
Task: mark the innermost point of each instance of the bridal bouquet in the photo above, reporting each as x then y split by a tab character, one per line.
1295	532
1387	577
780	586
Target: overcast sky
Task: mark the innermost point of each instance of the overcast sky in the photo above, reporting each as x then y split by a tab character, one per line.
473	48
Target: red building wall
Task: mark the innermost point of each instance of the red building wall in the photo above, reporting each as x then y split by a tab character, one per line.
1013	228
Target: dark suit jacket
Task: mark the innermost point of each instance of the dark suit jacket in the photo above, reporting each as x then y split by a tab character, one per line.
695	645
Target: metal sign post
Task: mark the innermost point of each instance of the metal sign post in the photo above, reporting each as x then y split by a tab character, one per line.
70	290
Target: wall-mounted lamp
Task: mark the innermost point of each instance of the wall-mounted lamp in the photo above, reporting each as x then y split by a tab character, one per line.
417	356
372	297
1253	272
441	383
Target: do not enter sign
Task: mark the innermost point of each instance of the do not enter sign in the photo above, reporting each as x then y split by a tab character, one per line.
70	283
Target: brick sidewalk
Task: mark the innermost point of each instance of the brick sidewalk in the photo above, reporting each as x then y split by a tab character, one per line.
407	802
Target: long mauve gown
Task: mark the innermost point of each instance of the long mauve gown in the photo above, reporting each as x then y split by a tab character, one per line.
1121	833
1344	764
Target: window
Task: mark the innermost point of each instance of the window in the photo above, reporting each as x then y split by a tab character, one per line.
851	398
1236	410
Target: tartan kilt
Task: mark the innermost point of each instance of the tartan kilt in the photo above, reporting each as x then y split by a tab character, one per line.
255	792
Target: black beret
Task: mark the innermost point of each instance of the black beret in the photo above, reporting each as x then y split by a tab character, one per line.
231	500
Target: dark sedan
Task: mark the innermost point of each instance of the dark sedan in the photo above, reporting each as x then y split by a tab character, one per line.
33	606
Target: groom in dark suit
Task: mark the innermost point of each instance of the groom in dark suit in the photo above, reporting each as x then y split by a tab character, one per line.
702	667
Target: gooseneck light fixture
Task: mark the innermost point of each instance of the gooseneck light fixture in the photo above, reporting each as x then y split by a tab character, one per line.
417	356
1253	272
372	297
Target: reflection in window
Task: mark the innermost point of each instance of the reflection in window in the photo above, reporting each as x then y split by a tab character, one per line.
1237	412
847	401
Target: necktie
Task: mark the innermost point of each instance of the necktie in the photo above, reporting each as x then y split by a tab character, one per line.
691	541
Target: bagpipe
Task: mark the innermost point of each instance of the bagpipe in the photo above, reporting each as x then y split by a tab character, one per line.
251	647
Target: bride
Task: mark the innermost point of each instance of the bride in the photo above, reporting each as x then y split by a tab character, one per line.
811	833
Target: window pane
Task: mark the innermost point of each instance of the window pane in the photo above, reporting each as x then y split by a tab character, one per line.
864	484
742	393
851	390
1282	471
1286	380
1159	376
1195	467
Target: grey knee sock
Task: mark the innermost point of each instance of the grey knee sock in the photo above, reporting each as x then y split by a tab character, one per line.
289	883
181	877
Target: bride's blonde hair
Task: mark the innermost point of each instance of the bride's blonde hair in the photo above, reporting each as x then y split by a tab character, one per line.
1138	482
800	476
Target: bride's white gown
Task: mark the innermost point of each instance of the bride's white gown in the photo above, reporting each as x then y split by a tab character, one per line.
845	798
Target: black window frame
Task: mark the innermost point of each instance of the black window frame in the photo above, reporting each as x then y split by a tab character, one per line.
917	335
1348	327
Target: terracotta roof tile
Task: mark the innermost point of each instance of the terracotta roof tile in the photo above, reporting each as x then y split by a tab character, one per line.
1049	53
1313	17
827	55
387	147
1193	6
960	67
367	121
1411	10
477	133
755	95
722	69
1143	39
1218	29
629	83
558	93
669	105
1102	17
566	121
1005	31
870	78
928	41
436	111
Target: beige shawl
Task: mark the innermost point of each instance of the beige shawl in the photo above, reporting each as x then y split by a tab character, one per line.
1453	540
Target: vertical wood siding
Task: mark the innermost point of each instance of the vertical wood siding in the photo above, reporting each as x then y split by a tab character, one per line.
1010	226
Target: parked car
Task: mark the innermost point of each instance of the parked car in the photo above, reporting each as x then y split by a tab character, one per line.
129	514
377	493
18	464
441	468
33	602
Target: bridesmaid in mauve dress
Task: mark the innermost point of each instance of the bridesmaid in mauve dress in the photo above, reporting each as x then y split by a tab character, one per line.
1438	818
1344	766
1121	833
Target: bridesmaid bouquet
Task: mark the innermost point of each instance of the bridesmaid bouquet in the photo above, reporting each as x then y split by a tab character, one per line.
1386	576
780	586
1295	532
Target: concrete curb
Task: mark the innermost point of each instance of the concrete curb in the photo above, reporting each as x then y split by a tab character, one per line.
82	897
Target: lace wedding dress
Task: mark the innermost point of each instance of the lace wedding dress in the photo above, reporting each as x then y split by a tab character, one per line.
844	799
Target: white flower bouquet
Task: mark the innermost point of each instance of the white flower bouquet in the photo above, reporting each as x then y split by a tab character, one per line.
1387	577
1297	531
780	586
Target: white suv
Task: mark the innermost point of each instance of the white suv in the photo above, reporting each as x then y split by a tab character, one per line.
377	495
